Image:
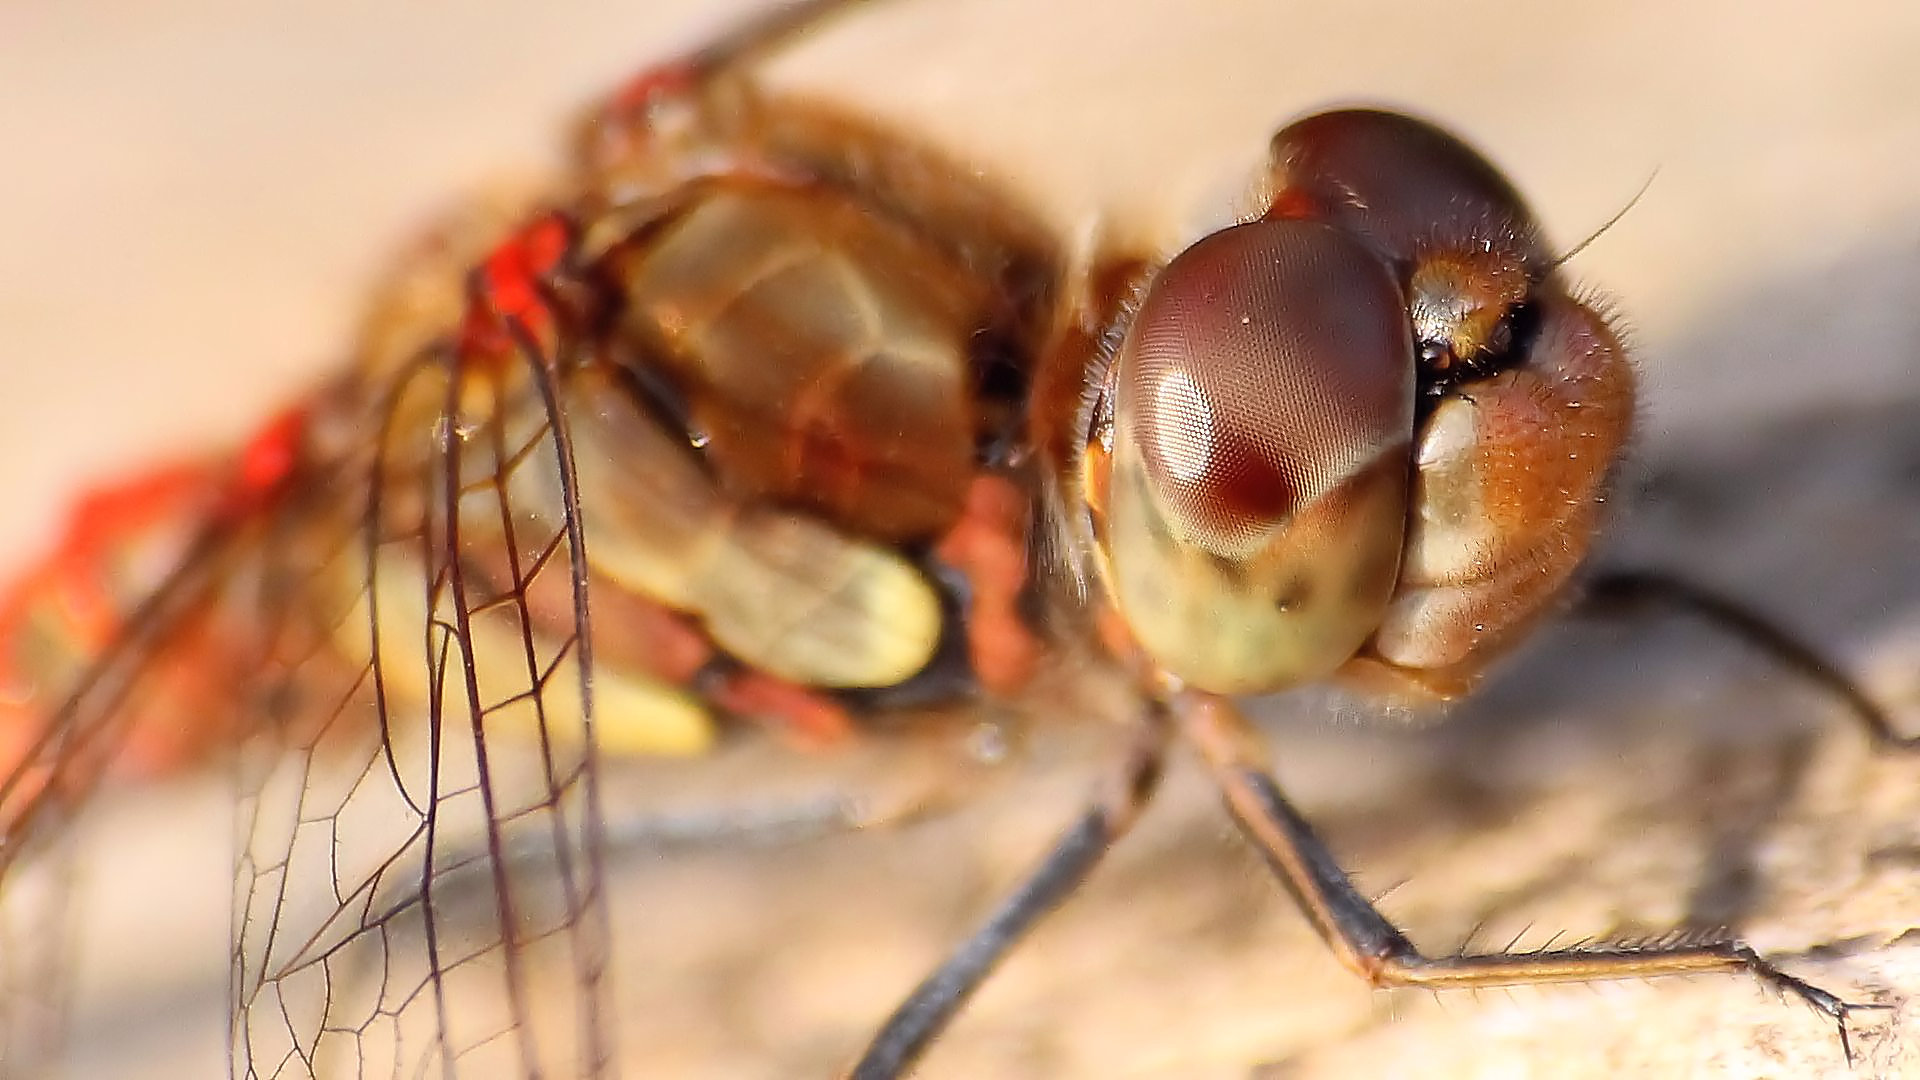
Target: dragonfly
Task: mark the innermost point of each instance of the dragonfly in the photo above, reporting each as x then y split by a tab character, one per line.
454	652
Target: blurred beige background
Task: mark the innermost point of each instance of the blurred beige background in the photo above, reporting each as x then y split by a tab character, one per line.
194	196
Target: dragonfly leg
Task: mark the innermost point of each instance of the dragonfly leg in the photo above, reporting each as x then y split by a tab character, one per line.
1617	593
1370	945
740	47
927	1011
690	89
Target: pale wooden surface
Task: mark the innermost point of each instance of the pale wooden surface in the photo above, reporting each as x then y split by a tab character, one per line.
194	197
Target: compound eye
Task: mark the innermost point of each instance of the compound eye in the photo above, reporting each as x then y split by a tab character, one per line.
1405	185
1268	362
1256	495
1467	247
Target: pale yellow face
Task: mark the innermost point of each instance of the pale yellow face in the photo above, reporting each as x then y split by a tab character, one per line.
1262	416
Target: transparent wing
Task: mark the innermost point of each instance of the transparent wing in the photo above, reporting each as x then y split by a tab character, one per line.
418	888
69	712
395	641
36	947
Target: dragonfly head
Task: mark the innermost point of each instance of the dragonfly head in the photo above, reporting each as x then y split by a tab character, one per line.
1371	425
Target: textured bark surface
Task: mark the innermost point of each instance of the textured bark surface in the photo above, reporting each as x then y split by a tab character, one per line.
195	202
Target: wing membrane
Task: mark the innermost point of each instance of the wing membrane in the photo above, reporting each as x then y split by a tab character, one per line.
102	708
419	884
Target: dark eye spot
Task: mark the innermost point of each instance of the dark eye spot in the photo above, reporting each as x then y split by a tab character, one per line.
1296	593
1242	485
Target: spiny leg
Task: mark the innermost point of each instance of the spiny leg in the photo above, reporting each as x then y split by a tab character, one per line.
768	32
679	110
932	1005
1616	593
1377	950
738	48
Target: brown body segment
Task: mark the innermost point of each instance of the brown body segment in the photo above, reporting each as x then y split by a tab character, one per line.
820	355
829	332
